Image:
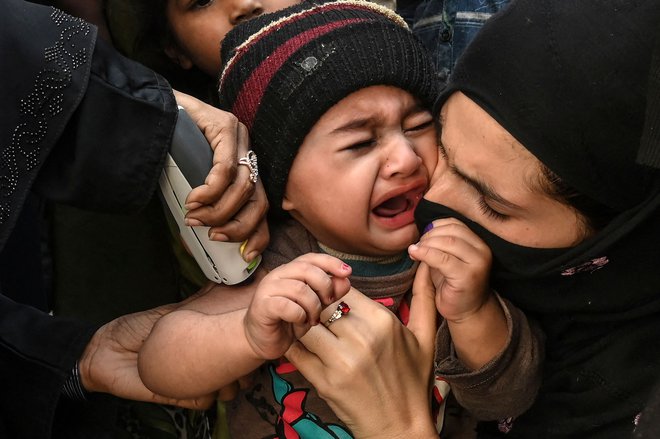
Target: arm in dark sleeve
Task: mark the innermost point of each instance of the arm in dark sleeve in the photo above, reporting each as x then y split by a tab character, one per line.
81	125
36	353
507	385
112	151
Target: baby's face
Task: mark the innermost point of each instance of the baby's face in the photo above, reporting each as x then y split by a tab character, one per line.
361	171
199	26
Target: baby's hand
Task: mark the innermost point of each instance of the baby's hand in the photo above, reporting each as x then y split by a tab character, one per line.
289	300
457	263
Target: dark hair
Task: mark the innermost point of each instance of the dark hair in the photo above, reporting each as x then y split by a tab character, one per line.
140	30
596	215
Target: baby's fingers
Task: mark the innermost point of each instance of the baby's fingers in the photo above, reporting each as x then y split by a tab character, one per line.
324	274
454	240
454	227
295	302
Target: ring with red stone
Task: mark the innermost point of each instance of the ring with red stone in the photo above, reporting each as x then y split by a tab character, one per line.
342	309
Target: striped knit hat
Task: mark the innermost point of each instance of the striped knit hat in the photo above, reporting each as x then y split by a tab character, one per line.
283	71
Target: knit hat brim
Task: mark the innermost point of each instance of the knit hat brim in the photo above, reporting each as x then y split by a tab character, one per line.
284	71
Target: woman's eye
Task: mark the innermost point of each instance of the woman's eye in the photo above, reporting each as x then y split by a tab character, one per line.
202	3
490	212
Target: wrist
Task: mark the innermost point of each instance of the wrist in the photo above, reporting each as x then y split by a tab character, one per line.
483	304
73	387
481	337
421	431
253	350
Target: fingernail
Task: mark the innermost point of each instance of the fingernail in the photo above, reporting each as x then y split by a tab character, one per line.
428	227
193	205
345	266
192	222
219	237
242	247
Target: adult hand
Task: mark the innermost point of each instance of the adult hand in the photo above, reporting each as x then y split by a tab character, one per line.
373	371
109	363
228	201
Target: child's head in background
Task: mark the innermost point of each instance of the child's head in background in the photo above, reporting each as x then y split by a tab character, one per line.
181	38
336	97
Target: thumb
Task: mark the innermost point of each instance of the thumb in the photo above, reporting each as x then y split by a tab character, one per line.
423	315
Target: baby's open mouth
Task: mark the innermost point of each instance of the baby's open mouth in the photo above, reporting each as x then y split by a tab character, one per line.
394	206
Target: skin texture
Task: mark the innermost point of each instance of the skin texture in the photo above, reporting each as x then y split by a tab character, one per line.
474	145
287	301
455	266
199	26
373	145
356	365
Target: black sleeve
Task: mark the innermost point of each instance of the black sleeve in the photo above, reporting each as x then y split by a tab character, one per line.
83	125
111	153
36	353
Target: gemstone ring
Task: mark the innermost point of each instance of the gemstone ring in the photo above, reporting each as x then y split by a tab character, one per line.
342	309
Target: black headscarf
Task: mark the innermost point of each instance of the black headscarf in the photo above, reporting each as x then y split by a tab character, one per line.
569	80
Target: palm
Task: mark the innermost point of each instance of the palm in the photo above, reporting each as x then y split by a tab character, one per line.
110	361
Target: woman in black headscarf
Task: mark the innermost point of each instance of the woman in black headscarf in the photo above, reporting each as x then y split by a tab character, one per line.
542	123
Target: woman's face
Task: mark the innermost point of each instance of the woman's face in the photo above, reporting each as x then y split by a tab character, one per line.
488	176
199	26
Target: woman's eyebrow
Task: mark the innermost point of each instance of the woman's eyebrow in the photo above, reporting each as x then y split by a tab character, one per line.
483	188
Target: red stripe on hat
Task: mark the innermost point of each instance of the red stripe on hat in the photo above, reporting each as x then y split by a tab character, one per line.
286	21
248	99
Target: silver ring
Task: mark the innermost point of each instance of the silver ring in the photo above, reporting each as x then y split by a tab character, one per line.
341	311
250	160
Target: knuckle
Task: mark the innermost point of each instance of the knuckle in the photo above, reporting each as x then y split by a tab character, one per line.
299	288
451	240
240	126
229	118
443	257
247	187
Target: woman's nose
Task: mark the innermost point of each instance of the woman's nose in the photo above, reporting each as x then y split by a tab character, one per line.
446	187
243	10
401	158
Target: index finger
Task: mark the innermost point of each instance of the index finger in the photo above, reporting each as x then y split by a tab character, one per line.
423	314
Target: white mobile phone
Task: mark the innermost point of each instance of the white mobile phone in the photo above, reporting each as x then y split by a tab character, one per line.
188	163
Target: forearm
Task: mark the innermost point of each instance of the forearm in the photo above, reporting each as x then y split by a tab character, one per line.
505	386
481	336
418	425
190	354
